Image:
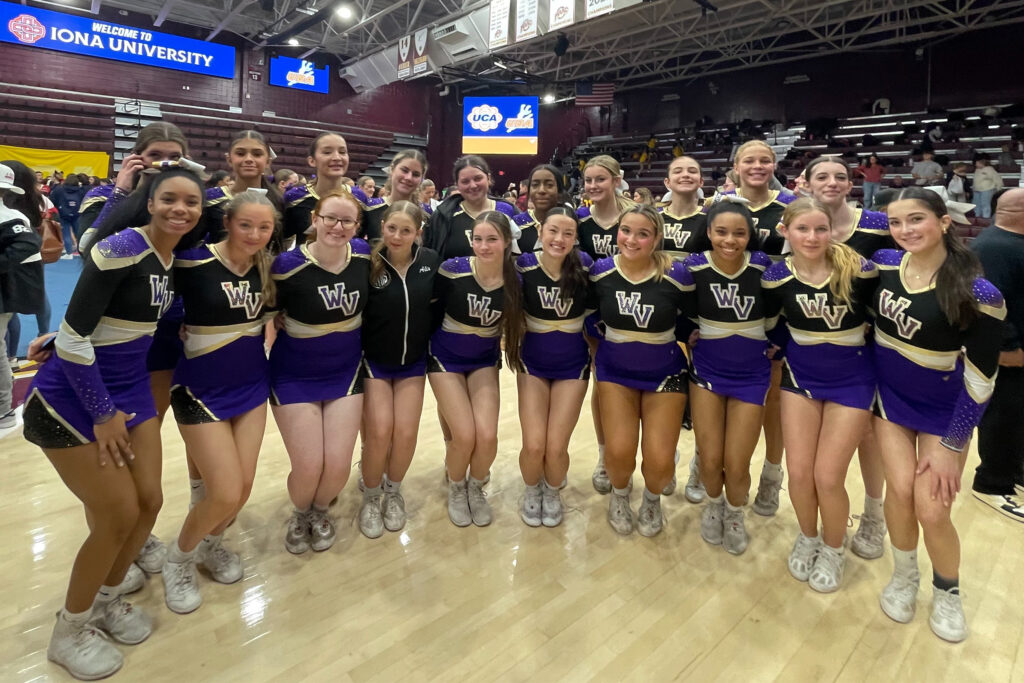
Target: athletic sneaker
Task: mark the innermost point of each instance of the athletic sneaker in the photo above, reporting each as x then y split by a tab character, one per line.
532	505
947	620
371	519
551	506
670	488
123	622
734	537
297	538
869	541
479	508
712	522
1008	506
224	566
394	511
649	521
134	580
602	484
827	574
620	516
83	650
899	597
152	556
9	420
766	502
694	491
321	530
181	587
803	556
458	504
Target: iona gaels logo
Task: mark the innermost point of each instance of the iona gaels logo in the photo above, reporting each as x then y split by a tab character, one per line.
27	28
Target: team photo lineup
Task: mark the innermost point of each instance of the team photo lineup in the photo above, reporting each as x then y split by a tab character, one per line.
787	316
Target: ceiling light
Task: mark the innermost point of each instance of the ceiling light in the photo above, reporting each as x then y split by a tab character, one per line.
293	42
549	98
345	12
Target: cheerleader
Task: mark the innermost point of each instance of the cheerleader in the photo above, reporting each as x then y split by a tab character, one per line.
828	181
754	164
937	339
404	177
731	372
641	371
248	155
89	408
598	234
545	188
477	296
450	226
328	156
396	329
553	374
321	293
817	299
685	221
220	388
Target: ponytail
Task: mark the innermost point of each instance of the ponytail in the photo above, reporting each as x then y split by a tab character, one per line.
513	322
845	265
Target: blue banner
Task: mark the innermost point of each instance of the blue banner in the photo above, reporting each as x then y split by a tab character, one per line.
298	74
499	125
34	27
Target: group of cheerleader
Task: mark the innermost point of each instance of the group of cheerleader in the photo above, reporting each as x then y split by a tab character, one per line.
183	291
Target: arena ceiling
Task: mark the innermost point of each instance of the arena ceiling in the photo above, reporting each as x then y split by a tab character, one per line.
648	44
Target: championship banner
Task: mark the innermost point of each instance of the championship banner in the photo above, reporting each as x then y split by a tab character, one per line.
526	19
50	160
420	63
404	63
563	13
498	34
596	8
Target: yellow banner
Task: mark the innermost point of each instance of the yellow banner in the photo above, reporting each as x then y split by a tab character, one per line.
50	160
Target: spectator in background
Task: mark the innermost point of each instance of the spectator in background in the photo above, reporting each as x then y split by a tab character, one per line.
367	184
68	200
428	194
926	171
872	170
285	178
643	196
522	199
958	185
897	182
731	182
986	181
348	181
218	179
1007	164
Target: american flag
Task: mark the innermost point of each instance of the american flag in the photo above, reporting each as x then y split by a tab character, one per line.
590	94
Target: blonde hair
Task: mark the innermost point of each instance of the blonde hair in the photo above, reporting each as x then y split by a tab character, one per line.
662	259
410	209
844	262
264	258
612	166
750	144
401	156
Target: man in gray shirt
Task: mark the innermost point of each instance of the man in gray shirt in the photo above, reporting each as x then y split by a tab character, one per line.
926	171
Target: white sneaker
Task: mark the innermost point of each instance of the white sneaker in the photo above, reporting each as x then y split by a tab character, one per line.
947	620
134	580
458	504
371	519
827	574
602	484
734	533
551	506
9	420
152	556
712	522
224	566
83	650
321	530
1008	506
297	536
620	516
803	556
899	597
532	509
670	488
766	502
694	490
869	541
123	622
479	508
181	587
394	511
649	521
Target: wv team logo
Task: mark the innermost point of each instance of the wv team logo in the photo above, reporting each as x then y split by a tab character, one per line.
484	118
603	245
674	233
335	298
906	326
631	306
159	295
819	308
730	298
480	308
240	297
551	300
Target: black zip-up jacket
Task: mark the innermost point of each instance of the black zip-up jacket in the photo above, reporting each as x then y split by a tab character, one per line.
21	266
397	320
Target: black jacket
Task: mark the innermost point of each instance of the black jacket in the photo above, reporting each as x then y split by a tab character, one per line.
21	266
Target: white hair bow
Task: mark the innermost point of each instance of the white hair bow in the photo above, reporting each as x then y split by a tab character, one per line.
956	210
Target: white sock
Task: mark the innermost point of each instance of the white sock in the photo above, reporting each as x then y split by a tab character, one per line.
771	470
905	561
391	486
732	507
176	555
874	507
478	482
651	497
76	619
371	492
715	500
624	492
106	594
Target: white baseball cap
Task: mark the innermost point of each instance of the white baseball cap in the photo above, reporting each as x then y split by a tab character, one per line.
7	180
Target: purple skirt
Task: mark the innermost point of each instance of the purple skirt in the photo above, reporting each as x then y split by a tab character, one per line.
374	370
915	397
314	369
641	366
54	417
830	372
454	352
556	355
735	367
221	384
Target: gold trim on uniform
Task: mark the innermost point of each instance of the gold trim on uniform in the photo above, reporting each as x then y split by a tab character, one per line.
617	336
111	331
978	385
73	347
944	361
299	330
197	401
772	284
572	325
997	312
55	415
854	337
451	325
714	329
201	340
106	260
472	270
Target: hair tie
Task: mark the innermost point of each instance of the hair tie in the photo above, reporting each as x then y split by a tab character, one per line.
731	198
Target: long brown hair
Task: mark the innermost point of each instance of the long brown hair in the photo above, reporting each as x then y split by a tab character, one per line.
264	258
273	191
512	321
413	211
573	278
844	263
